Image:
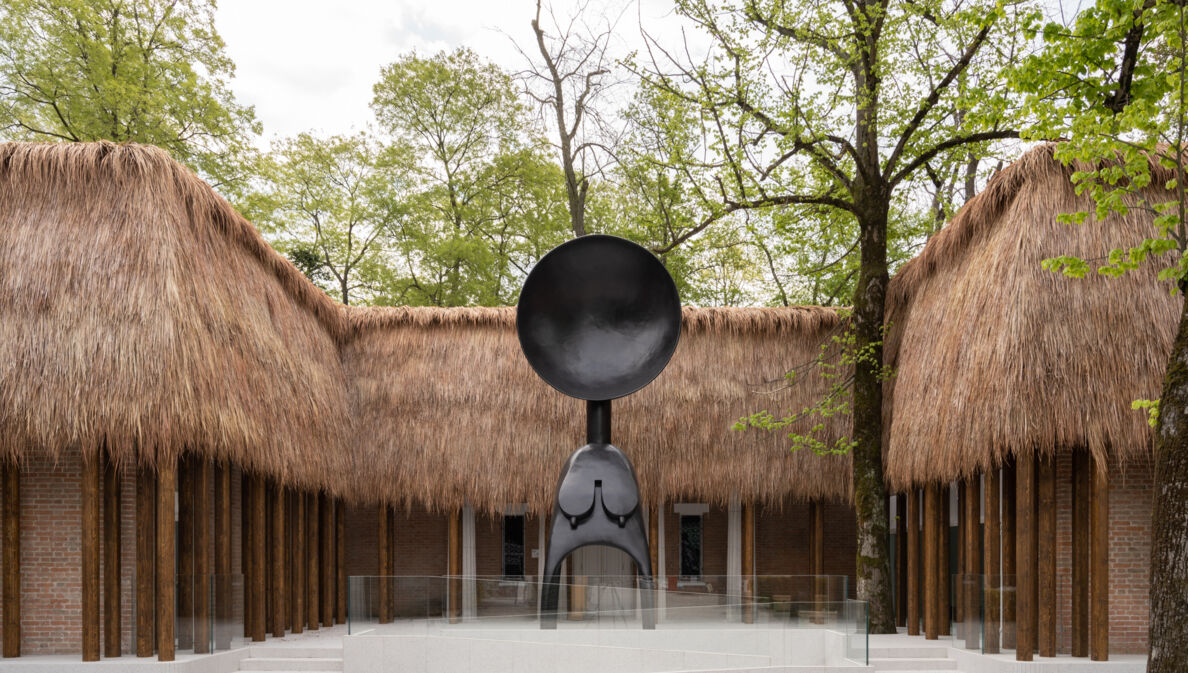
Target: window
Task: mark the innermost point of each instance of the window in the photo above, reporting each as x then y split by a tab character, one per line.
690	546
513	546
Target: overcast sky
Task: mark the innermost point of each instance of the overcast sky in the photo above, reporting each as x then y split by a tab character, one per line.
310	64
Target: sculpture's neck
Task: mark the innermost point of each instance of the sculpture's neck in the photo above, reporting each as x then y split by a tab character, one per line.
598	422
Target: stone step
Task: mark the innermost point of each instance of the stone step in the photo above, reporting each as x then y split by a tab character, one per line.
913	664
290	664
921	652
295	652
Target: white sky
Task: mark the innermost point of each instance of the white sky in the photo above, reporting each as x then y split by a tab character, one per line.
310	64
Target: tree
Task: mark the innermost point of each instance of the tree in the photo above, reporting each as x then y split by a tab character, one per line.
568	83
148	71
837	104
332	206
1113	84
471	153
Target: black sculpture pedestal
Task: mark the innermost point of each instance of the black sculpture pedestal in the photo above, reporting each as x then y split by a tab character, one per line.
597	503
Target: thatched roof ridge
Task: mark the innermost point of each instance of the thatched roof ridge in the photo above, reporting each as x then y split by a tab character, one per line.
996	357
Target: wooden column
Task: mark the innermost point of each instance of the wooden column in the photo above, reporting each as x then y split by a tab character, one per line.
166	559
748	563
932	585
11	522
91	476
901	560
312	545
245	552
146	560
384	585
455	566
1081	480
1046	552
817	558
654	542
1010	581
1099	563
945	594
327	564
973	564
185	553
279	610
340	591
257	539
222	556
297	594
913	561
1025	549
112	616
203	557
991	564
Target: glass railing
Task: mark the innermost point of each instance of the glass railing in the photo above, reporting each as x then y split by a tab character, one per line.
210	613
604	605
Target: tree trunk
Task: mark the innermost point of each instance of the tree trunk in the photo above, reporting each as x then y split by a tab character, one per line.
1169	518
870	493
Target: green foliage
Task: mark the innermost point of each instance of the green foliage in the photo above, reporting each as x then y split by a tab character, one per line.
148	71
484	203
331	204
1152	407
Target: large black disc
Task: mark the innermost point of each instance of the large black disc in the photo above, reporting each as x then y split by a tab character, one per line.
599	317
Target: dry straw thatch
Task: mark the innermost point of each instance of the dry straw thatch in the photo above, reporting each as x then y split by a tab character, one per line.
144	314
449	410
996	357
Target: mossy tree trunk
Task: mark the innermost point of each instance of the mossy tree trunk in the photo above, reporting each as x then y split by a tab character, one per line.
1169	517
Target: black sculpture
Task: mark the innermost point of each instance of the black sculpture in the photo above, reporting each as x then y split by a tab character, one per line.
599	317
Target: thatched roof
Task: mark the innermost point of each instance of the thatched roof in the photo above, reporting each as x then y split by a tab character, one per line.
142	313
996	357
449	410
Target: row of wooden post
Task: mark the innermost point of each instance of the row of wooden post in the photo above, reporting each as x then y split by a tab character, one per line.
294	570
1008	576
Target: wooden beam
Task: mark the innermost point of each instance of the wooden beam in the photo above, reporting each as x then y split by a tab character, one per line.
384	585
146	561
1099	562
1081	480
327	566
203	557
257	538
1025	549
279	609
932	585
297	606
340	585
222	556
1046	551
748	563
1010	581
91	476
913	562
654	541
991	544
901	589
455	566
944	595
166	559
816	517
185	553
11	522
112	631
312	546
972	600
